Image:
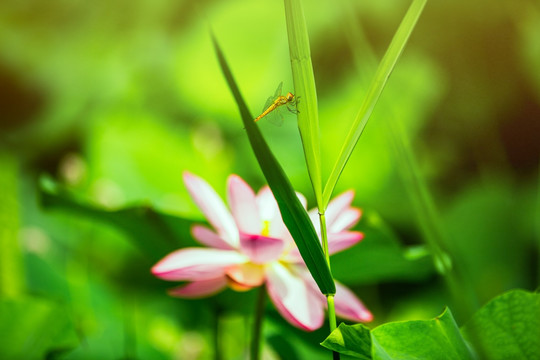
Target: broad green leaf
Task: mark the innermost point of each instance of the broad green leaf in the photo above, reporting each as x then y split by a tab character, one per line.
377	85
155	233
293	213
420	339
380	256
304	86
353	340
403	340
508	327
34	329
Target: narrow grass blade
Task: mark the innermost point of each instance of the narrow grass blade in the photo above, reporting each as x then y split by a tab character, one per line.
304	86
377	85
416	186
293	213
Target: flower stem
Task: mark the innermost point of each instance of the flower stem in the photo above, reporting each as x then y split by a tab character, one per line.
324	237
329	298
257	324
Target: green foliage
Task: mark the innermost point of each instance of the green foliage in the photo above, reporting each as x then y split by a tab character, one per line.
505	328
11	279
380	257
154	233
34	328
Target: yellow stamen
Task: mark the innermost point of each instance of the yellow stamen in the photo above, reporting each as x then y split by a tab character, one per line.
266	228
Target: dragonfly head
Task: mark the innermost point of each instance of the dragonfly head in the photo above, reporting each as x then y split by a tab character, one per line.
290	97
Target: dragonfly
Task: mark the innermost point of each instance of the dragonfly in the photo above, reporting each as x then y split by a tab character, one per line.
276	103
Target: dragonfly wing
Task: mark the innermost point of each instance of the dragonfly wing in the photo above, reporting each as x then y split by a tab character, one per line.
268	102
276	116
278	90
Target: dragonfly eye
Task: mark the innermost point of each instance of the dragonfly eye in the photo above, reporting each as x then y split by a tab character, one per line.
290	96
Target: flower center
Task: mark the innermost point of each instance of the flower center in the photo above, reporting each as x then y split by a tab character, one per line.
243	277
266	228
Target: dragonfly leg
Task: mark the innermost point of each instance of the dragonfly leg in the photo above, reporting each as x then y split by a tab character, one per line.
293	109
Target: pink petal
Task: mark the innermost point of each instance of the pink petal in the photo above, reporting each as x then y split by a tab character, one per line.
339	204
267	204
293	298
302	199
212	207
335	223
243	205
199	289
261	249
347	219
343	240
314	217
349	307
336	243
196	264
293	256
279	230
209	238
269	211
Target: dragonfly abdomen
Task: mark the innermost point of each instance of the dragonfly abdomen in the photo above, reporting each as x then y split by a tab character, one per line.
274	105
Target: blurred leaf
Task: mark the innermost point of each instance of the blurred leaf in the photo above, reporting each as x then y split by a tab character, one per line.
283	337
508	327
306	95
34	329
283	347
380	256
293	213
495	220
377	85
155	233
11	268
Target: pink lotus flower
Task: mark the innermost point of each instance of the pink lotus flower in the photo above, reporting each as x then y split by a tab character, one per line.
250	246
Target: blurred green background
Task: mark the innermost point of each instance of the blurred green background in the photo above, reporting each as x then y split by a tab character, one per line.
104	104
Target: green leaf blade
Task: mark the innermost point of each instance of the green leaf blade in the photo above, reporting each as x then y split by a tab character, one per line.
293	213
304	85
375	89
